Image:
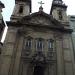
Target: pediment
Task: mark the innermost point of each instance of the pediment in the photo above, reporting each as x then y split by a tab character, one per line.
38	18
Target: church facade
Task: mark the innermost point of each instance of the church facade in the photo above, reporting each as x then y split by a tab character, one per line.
38	43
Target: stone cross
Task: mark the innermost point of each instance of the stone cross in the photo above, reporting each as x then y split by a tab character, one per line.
41	3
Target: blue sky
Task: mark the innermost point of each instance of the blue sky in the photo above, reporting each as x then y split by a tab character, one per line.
9	6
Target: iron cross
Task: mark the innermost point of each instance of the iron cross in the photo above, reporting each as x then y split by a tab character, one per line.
41	3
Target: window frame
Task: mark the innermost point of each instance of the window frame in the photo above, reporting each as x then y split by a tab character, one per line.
21	9
50	44
38	42
60	14
29	40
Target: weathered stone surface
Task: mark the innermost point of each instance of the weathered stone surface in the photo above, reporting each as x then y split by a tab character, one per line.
23	55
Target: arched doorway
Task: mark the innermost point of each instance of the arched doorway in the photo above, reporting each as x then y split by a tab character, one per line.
38	70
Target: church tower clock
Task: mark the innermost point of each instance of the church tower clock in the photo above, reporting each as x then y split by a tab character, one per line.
21	9
58	11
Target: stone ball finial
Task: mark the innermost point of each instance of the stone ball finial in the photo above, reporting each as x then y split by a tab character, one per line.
40	8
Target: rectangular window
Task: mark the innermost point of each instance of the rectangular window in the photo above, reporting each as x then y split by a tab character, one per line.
21	9
28	44
50	44
39	45
60	14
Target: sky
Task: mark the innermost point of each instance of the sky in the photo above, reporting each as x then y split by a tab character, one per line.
9	6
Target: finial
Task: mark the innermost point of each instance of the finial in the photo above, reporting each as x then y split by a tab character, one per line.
41	8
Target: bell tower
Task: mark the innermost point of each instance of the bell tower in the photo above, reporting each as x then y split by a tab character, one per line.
58	11
21	9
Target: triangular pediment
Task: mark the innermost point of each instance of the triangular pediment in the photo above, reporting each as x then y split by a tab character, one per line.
40	18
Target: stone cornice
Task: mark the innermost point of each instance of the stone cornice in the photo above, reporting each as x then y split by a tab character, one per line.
51	27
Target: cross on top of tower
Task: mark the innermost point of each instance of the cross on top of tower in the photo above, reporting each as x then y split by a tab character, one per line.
41	3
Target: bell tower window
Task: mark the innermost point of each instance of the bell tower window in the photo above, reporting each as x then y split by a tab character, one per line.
60	14
21	9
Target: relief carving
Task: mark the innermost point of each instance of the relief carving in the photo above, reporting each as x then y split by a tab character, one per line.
38	57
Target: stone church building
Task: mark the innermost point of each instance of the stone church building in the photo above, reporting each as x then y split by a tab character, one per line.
38	43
